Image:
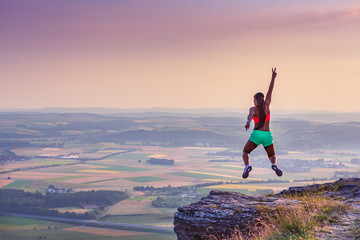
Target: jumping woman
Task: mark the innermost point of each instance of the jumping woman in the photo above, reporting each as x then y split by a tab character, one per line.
261	134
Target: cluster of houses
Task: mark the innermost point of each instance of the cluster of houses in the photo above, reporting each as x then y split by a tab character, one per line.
60	190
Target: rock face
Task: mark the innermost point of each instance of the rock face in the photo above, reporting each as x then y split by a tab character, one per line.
220	212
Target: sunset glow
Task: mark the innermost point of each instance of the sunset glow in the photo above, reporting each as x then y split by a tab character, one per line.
181	54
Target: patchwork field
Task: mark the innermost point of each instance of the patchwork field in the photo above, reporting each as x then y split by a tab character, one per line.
130	169
102	231
17	228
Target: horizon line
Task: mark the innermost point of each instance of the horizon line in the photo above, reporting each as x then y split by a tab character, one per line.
176	109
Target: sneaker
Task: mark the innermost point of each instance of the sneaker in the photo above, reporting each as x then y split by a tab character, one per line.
247	169
277	170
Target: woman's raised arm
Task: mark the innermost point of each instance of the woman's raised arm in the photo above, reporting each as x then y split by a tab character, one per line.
271	87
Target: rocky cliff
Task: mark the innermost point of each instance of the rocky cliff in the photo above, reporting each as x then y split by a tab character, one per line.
217	215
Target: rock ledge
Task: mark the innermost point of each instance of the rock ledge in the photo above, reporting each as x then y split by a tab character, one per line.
220	212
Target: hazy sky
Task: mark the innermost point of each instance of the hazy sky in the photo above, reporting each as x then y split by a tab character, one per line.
187	54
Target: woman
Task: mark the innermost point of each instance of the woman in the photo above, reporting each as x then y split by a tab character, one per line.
261	134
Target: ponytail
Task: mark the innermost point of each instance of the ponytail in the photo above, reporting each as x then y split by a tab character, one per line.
261	107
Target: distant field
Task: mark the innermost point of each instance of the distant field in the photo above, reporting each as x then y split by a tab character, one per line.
207	149
136	208
162	220
17	228
145	179
19	221
230	167
132	156
118	167
157	156
97	171
204	175
105	180
33	152
63	178
102	231
140	212
35	163
123	171
53	234
85	147
54	162
18	184
75	210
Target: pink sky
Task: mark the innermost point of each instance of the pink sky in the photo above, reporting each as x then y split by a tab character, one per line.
187	54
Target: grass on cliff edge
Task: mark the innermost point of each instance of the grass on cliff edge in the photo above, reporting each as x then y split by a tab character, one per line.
295	222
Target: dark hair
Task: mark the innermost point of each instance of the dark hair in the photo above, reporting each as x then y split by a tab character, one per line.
261	106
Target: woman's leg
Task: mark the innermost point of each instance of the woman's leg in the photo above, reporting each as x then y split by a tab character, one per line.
270	150
248	148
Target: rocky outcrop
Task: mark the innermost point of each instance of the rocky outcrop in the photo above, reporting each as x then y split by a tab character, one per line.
221	212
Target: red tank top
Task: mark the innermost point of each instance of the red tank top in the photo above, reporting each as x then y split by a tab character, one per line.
257	119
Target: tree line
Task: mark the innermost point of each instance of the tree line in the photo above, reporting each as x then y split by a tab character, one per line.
19	201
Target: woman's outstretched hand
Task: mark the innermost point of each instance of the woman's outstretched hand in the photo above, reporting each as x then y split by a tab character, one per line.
247	126
273	72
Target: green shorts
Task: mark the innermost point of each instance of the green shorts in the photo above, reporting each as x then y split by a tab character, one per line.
261	137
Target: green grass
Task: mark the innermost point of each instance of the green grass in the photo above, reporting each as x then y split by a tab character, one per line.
63	178
229	167
19	221
145	179
295	222
105	180
51	162
200	175
18	184
143	198
146	219
301	219
132	156
17	228
59	234
84	146
53	234
151	236
119	168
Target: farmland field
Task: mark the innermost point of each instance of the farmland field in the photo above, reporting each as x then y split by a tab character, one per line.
122	171
91	152
17	228
18	184
145	179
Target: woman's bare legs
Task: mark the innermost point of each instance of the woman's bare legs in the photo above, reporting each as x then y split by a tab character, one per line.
270	150
248	148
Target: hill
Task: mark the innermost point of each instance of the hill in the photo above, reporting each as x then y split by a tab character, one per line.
35	129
